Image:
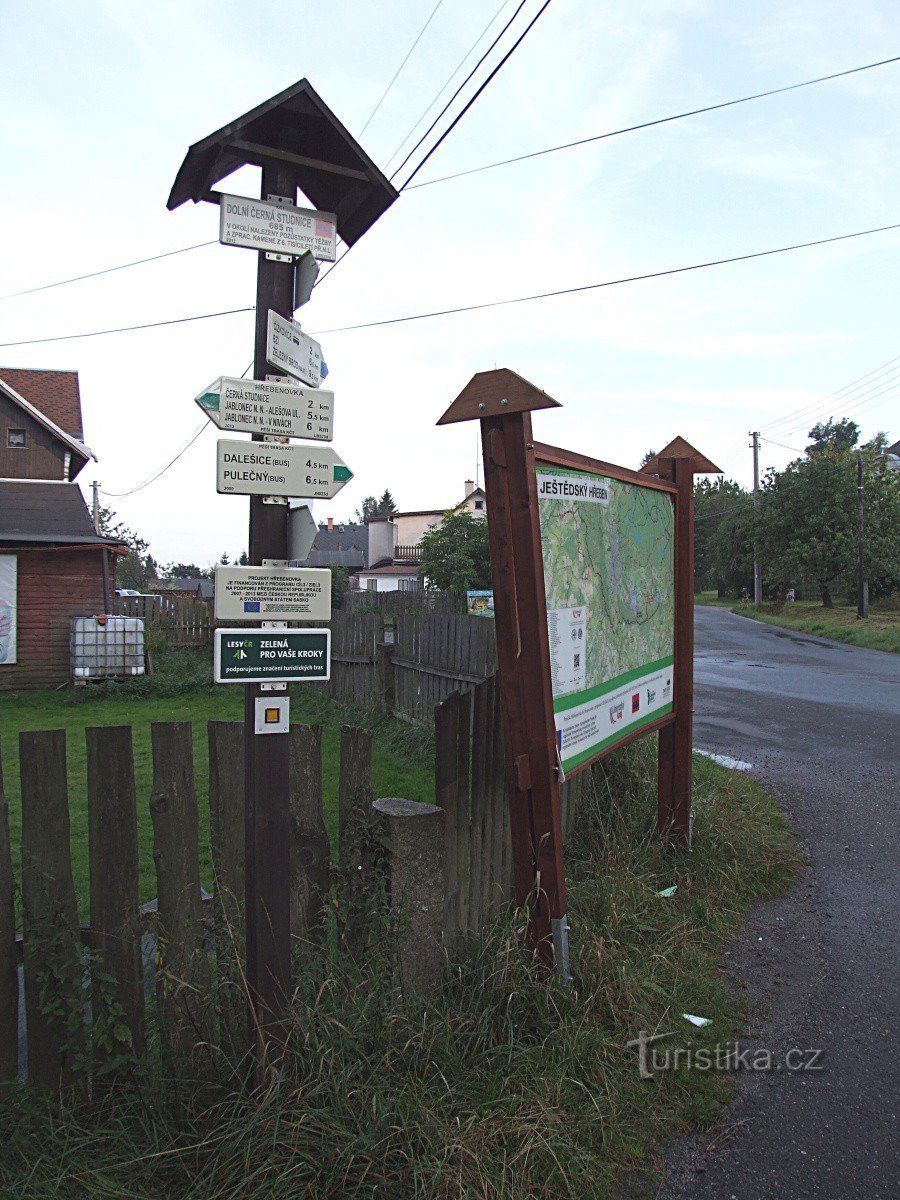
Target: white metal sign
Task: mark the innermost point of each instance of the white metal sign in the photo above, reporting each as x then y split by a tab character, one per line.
272	594
279	228
276	409
302	530
289	349
267	469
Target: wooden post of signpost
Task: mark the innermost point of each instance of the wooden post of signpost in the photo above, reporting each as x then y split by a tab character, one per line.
300	145
502	401
679	462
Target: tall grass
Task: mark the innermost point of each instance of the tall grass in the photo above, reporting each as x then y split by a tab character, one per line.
505	1086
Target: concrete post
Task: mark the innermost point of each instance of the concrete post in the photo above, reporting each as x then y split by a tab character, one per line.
415	833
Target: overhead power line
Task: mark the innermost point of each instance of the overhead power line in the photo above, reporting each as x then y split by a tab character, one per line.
607	283
850	387
406	59
69	337
464	308
680	116
138	262
456	120
162	470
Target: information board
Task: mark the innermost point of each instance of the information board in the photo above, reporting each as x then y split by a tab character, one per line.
8	607
609	578
271	655
272	593
278	228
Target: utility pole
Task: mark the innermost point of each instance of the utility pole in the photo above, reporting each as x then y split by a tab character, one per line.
104	560
757	570
862	607
95	488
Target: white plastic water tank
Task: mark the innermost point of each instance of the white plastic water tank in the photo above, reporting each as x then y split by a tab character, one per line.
112	648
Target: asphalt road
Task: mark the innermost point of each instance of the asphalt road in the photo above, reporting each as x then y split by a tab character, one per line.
820	723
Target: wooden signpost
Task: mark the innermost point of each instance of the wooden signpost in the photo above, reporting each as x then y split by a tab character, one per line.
563	703
300	145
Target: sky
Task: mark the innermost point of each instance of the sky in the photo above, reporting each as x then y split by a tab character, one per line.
102	99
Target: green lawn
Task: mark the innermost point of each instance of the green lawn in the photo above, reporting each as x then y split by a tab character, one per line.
402	758
879	631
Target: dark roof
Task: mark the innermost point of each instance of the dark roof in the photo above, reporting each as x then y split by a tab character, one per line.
46	513
199	585
299	131
335	558
342	537
55	393
895	449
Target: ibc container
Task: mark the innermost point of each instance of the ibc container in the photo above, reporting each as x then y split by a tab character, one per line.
108	649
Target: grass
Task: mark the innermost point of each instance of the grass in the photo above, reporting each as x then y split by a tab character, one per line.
879	631
505	1086
182	690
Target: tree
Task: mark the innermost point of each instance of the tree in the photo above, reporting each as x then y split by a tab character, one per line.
137	569
456	554
650	454
185	571
225	560
723	536
808	516
243	559
370	507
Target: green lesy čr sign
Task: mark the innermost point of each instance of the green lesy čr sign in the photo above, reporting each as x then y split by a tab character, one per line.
272	655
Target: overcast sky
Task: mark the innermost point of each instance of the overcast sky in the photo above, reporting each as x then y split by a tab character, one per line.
101	100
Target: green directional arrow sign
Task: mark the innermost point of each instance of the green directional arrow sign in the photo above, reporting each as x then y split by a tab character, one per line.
273	469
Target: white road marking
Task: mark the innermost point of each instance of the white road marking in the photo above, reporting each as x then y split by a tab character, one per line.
724	760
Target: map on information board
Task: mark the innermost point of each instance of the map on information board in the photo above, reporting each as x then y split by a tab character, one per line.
609	577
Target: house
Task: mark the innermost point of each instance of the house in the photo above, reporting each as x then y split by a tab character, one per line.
394	547
892	454
199	587
339	545
53	563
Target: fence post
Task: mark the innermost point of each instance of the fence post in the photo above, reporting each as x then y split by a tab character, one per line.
9	981
310	847
113	857
386	687
452	734
415	835
182	983
53	960
226	837
354	806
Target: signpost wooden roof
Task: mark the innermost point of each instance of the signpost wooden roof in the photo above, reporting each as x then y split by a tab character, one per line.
679	448
297	131
494	393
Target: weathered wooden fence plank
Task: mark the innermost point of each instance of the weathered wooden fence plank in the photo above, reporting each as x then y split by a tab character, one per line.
113	862
52	952
310	848
182	976
355	798
226	837
9	983
453	722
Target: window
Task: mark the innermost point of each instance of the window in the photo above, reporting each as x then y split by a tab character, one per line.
371	585
16	437
479	504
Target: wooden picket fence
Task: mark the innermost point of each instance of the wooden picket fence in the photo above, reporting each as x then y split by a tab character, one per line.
182	620
179	961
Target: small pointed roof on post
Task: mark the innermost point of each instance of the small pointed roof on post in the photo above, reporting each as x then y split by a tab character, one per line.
494	393
298	130
679	448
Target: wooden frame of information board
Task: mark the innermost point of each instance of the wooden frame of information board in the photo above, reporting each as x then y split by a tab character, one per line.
502	402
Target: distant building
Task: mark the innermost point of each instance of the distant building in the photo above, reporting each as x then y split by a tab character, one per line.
892	454
53	564
395	543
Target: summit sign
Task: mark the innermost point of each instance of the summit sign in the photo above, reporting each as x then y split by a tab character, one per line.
277	228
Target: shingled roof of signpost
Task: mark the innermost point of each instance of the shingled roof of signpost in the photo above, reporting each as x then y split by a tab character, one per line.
298	130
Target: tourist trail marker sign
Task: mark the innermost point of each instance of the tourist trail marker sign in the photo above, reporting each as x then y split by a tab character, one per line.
279	228
276	409
289	349
592	568
272	594
270	469
272	655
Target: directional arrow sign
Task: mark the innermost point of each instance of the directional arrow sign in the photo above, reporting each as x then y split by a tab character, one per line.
289	349
279	228
277	409
269	469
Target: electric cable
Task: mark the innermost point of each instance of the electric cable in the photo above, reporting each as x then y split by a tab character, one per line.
680	116
400	68
162	470
69	337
